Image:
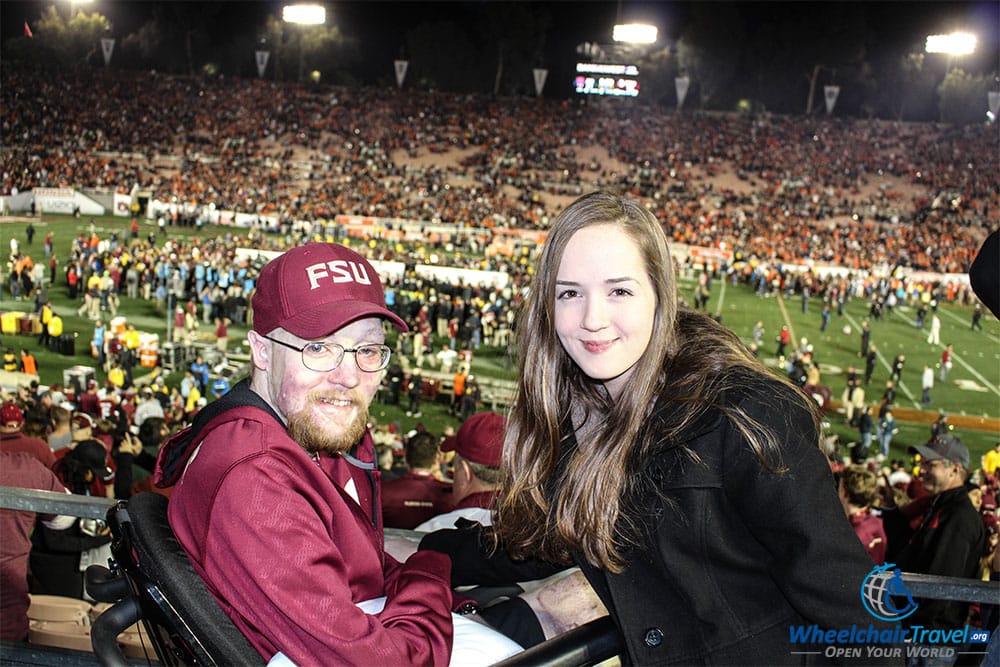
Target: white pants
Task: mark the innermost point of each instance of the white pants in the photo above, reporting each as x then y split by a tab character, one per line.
475	644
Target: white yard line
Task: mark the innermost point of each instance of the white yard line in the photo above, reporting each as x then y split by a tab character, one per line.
888	366
976	374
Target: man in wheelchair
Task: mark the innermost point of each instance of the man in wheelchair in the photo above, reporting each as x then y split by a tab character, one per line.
276	495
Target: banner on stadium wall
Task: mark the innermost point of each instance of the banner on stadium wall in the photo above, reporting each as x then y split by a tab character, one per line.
254	220
66	201
261	59
107	48
121	204
540	75
395	270
536	235
400	67
472	277
716	254
355	220
994	99
681	84
54	200
830	93
945	278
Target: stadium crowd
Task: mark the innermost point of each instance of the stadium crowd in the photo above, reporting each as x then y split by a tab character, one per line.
299	153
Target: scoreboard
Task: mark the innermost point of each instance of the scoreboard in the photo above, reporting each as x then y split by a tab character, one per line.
607	79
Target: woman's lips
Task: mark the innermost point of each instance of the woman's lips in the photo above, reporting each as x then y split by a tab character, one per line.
596	346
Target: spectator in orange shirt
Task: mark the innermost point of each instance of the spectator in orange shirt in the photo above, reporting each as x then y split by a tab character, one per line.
28	364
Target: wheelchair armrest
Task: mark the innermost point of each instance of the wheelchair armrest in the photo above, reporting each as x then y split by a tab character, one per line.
588	644
104	586
105	630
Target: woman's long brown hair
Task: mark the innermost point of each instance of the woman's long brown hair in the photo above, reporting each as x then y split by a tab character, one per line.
551	507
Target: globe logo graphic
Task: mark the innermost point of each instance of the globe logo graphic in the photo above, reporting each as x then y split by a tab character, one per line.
880	591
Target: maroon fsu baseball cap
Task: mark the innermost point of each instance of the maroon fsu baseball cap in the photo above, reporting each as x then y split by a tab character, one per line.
316	289
11	415
479	439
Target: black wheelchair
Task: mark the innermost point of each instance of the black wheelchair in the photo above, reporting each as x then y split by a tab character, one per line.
151	580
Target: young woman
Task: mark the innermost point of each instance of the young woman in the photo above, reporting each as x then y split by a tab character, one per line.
650	447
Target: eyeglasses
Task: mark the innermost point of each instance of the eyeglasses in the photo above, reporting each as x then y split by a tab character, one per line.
325	357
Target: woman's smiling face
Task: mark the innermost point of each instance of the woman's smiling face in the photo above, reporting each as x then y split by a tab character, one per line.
604	304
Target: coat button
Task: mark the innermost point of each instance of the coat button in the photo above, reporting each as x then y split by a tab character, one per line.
653	638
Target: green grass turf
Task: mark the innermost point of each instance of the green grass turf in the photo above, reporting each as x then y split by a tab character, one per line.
973	387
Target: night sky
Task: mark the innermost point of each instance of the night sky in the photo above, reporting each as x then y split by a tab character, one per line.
381	26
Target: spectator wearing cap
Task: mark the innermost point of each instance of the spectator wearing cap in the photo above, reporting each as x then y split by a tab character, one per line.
13	440
477	446
284	472
82	426
417	495
54	396
55	559
940	533
149	406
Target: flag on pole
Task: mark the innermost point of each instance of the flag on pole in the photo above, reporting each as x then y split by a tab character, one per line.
27	30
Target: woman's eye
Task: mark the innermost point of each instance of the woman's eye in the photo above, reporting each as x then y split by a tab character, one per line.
566	294
621	291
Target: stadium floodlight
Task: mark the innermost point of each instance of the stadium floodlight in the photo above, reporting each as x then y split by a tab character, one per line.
634	33
304	14
955	44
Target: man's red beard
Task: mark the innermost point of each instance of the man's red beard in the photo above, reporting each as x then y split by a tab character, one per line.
315	437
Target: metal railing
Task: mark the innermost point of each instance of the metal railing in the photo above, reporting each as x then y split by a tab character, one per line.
589	644
50	502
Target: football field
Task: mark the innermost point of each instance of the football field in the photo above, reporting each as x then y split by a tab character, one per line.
972	388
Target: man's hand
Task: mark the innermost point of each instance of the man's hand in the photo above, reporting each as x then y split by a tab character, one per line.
563	602
130	445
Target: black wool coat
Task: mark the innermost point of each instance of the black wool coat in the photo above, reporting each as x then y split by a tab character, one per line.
732	554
